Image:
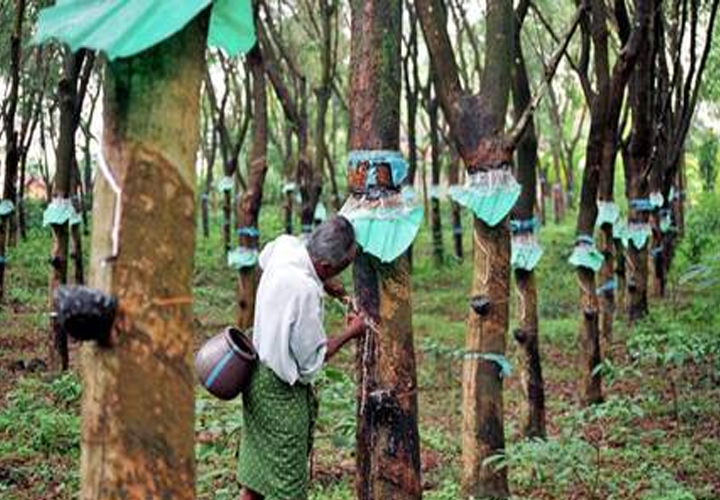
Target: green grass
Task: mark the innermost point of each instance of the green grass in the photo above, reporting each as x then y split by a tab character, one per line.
655	438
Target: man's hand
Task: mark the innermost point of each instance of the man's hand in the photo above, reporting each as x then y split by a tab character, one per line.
356	324
335	288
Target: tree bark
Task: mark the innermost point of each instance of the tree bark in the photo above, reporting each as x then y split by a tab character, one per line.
138	424
12	153
252	198
388	440
476	125
455	213
431	106
528	333
641	98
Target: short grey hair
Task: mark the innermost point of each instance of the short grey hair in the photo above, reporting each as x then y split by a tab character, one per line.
331	241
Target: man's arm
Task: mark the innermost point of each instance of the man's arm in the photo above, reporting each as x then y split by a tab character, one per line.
355	328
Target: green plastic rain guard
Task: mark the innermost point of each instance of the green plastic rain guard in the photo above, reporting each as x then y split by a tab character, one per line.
620	231
384	227
242	257
320	212
637	235
586	255
6	208
525	252
665	220
61	211
490	195
656	199
608	213
123	28
500	360
226	184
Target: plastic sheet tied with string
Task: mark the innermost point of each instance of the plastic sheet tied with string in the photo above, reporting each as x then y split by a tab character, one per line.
637	234
242	258
6	208
386	219
490	194
585	254
320	213
225	184
525	249
665	220
123	28
61	211
608	213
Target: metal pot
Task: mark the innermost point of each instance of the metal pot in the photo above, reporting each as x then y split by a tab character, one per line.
225	363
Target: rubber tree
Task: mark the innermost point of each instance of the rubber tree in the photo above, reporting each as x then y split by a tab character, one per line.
35	88
605	104
641	98
137	411
77	68
680	72
527	334
455	209
294	107
12	154
476	123
606	186
388	441
251	201
413	88
432	108
230	139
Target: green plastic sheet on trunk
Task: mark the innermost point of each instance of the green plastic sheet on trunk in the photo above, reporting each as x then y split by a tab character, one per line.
657	200
123	28
620	231
637	235
61	211
226	184
525	252
320	212
608	213
242	257
505	368
490	195
6	208
587	256
665	221
384	227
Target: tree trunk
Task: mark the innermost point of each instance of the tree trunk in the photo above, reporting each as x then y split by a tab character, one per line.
12	152
476	124
65	154
388	440
640	149
456	213
252	198
76	254
431	105
528	333
138	423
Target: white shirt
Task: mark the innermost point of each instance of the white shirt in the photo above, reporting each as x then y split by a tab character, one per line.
288	331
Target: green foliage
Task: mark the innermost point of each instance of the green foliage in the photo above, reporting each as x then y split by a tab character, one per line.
707	154
40	418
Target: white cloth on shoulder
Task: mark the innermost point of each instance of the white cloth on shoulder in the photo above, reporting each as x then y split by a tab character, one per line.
288	331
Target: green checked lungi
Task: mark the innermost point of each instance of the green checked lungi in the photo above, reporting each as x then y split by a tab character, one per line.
278	425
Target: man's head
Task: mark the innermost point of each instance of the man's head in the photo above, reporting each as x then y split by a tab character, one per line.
332	247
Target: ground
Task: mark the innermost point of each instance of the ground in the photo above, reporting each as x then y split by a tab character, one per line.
657	436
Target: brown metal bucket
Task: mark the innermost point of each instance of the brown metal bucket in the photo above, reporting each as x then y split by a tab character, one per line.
225	363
